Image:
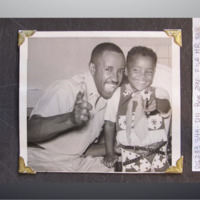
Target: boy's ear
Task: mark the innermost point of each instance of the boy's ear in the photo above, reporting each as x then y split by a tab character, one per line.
92	68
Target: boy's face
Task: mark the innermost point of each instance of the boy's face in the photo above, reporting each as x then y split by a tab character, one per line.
140	71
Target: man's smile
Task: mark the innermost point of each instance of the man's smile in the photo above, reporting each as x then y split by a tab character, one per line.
110	87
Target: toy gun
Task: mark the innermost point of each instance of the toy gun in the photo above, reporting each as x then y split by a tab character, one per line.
146	97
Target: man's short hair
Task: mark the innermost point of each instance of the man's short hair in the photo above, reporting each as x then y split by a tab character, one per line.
100	48
141	50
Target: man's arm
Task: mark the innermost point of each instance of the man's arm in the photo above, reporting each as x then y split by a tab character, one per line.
41	128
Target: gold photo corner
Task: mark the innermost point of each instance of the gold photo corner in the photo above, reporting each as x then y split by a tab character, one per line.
23	34
176	33
178	169
23	168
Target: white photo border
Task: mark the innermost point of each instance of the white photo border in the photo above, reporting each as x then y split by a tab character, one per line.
176	97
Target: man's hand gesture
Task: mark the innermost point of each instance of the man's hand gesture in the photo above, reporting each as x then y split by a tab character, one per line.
81	111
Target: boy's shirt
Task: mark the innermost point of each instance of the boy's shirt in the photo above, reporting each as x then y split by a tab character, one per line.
116	111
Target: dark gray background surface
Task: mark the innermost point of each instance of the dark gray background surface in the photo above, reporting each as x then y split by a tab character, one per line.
88	185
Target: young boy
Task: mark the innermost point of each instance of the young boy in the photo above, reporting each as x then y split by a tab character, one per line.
140	114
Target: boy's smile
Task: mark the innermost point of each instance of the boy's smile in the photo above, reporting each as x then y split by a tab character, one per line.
140	72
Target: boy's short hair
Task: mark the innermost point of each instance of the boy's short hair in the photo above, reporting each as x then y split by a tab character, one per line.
100	48
141	50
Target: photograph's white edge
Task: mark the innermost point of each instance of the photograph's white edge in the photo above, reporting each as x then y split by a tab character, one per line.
176	132
23	56
176	104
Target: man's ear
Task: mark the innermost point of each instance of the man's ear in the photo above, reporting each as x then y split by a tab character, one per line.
154	71
92	68
126	71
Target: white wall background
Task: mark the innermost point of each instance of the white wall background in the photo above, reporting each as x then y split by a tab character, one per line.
50	59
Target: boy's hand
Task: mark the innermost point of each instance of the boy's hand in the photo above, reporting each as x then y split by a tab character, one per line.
149	101
109	160
80	113
150	105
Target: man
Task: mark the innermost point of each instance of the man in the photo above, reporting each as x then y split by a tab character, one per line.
69	115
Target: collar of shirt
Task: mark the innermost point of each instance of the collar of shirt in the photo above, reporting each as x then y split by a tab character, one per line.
91	87
92	91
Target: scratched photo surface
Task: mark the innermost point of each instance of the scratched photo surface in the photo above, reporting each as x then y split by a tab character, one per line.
146	141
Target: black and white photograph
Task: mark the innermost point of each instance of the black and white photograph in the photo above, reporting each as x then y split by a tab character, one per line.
99	101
